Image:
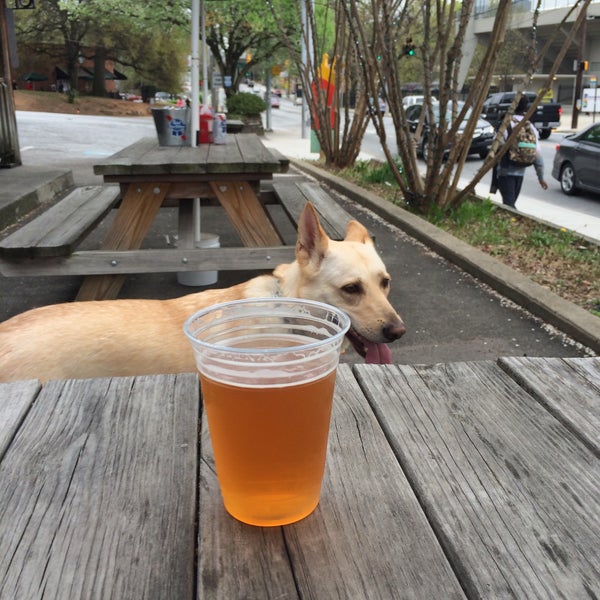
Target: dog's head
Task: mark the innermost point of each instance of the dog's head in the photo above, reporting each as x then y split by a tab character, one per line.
349	275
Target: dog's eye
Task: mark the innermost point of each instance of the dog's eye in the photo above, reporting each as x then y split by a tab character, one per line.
385	283
352	288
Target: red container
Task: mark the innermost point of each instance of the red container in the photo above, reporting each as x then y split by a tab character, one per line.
207	119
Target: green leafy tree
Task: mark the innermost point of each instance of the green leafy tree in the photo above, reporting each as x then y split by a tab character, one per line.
144	36
243	35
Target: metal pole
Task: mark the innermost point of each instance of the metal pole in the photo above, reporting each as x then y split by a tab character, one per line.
579	74
195	64
204	57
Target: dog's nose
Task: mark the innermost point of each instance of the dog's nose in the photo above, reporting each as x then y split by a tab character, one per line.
393	331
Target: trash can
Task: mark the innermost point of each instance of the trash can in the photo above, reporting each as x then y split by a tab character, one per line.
195	278
173	125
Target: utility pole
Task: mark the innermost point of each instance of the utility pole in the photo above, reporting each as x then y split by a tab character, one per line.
579	71
10	154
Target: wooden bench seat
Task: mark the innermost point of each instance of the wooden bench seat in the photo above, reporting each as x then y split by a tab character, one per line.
57	230
293	195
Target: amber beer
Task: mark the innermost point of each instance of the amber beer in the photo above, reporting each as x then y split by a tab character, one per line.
269	446
267	368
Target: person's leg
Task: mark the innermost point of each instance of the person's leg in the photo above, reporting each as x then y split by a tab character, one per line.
509	188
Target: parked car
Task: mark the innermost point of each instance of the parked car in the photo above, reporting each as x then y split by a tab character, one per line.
483	135
577	161
545	118
275	101
162	97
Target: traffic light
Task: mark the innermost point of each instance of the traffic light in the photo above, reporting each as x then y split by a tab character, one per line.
584	65
409	48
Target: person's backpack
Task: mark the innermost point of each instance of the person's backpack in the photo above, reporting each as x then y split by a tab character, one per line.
523	147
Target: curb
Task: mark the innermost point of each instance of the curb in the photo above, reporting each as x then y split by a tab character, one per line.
569	318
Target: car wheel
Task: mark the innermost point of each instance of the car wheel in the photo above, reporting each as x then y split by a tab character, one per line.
424	149
567	179
545	134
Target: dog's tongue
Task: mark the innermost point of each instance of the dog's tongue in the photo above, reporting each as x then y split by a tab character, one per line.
378	354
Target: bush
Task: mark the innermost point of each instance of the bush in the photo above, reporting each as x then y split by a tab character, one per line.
245	104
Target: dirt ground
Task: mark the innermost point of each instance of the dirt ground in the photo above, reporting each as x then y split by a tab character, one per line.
85	105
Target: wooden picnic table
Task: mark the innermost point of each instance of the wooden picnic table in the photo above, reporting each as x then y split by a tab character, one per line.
151	175
459	480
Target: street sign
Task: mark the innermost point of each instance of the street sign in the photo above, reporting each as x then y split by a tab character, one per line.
590	100
217	79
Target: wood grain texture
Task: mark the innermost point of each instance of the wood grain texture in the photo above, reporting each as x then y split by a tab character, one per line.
368	538
513	495
98	495
294	195
569	388
90	262
57	230
16	399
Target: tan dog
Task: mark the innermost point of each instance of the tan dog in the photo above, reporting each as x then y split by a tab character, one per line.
135	337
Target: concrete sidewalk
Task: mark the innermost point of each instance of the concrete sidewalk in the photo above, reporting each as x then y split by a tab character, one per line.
441	287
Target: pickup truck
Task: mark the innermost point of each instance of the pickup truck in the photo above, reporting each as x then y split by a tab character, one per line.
545	118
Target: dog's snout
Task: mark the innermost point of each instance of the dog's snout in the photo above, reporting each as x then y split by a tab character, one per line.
393	331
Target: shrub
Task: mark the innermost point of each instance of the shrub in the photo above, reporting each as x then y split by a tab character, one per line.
245	104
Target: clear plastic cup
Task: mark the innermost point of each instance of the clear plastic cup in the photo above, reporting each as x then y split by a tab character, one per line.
267	369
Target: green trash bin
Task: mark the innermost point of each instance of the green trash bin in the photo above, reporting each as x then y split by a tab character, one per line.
173	125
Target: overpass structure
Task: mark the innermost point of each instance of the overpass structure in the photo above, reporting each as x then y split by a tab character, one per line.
585	47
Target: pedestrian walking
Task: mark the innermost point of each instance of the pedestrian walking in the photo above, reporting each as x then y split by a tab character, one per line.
508	174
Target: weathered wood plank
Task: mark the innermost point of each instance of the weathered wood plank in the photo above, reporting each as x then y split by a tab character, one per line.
254	152
100	262
367	539
512	494
57	230
245	211
245	154
98	492
124	158
568	388
15	400
128	229
295	194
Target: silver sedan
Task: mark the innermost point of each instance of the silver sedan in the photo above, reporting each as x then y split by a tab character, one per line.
577	161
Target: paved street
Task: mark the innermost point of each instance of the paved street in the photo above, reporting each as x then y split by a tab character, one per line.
578	213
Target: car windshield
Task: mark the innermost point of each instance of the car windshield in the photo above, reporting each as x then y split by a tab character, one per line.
459	106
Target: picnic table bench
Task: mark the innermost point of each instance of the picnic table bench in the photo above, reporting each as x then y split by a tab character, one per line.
59	228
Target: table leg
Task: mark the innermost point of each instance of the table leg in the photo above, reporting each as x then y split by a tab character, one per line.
127	232
246	212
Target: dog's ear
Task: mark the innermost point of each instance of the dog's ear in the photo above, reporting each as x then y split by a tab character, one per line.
312	240
355	232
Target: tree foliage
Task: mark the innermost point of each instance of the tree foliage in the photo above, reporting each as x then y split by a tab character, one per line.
326	59
148	37
242	36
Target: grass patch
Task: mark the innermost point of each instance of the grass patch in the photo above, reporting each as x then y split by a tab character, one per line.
555	258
